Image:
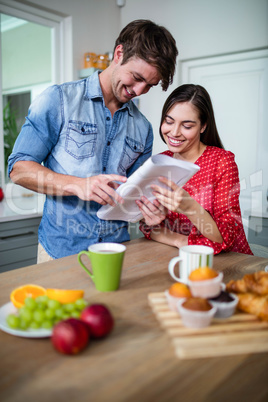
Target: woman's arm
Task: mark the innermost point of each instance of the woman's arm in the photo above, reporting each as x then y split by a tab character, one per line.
166	236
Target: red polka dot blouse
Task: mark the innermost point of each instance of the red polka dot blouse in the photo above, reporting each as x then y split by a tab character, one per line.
216	188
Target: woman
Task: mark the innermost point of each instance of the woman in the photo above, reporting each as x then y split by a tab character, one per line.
206	210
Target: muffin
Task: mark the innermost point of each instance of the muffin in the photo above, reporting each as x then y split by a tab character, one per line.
196	312
225	304
176	291
205	282
202	273
197	304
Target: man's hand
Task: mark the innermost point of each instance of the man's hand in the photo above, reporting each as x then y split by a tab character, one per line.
100	189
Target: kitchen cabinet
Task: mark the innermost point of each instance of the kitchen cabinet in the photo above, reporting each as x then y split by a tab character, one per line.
257	227
19	221
258	230
18	243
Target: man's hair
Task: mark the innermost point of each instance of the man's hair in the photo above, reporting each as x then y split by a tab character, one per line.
152	43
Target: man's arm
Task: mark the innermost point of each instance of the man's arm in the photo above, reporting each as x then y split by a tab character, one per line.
40	179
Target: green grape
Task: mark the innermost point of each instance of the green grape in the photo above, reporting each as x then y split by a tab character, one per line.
38	316
25	314
80	304
41	302
49	313
59	313
53	304
34	325
13	321
23	324
30	303
47	324
75	314
69	307
42	299
41	306
65	316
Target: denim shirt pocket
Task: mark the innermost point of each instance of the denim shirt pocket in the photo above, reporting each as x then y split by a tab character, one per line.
131	151
81	139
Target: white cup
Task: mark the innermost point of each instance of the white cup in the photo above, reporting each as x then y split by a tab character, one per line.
190	258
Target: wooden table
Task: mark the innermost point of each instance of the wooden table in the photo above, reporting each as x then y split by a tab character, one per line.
137	361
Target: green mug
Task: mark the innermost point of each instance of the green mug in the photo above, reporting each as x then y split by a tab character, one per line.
106	265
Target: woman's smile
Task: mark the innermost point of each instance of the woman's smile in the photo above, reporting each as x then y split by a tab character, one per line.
174	142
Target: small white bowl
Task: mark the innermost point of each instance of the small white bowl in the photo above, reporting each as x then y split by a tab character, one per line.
207	288
172	301
195	319
225	309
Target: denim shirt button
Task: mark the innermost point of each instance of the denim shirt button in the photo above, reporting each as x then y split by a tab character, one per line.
108	143
108	118
100	239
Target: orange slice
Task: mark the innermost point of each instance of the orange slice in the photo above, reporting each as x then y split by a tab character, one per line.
19	294
65	296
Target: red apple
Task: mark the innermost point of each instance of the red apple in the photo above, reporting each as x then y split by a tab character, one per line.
99	319
70	336
1	194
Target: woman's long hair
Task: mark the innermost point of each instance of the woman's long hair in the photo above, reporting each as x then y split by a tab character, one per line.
200	99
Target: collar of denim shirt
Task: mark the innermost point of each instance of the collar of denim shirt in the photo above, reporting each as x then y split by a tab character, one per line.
93	91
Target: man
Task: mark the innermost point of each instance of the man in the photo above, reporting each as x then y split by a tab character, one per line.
82	138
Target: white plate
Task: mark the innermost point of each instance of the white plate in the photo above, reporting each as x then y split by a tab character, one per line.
29	333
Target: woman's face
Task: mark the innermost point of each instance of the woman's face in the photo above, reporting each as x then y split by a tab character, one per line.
181	128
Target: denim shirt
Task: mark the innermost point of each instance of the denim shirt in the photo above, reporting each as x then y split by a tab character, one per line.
71	131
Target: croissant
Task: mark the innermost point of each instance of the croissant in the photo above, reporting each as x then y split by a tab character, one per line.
256	283
253	304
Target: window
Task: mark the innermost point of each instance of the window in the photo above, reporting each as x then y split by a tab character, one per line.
35	53
26	71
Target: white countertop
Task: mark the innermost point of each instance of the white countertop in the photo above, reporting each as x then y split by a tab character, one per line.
21	207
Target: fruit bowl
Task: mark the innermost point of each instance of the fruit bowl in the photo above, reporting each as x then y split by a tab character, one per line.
9	308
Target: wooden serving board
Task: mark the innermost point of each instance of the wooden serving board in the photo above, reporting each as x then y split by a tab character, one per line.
240	334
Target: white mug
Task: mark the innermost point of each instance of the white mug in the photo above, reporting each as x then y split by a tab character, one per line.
190	258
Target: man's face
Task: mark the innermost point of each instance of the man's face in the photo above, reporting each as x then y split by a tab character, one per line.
134	78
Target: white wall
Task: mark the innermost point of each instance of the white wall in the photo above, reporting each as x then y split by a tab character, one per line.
201	28
96	25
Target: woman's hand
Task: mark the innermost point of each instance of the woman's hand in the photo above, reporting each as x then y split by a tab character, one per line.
153	212
176	199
